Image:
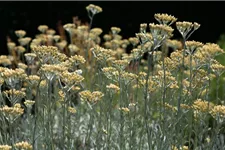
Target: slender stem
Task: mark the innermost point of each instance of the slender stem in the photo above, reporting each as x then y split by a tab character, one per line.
146	98
181	78
49	107
121	113
190	101
64	121
164	94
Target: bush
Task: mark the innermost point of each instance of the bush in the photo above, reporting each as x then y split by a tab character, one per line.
89	93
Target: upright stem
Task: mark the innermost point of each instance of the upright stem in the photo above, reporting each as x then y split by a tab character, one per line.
181	79
49	107
121	113
164	94
146	98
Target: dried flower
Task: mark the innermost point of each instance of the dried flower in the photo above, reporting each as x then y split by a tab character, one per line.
4	60
12	113
144	37
5	147
185	27
22	66
165	19
11	45
107	37
56	38
96	31
24	41
51	71
72	110
42	28
191	46
125	109
120	64
202	105
93	9
113	87
14	95
20	49
50	32
91	97
46	53
29	103
71	78
20	33
160	31
73	48
115	30
69	27
133	40
218	110
24	145
143	27
30	57
13	77
61	45
175	44
102	54
111	73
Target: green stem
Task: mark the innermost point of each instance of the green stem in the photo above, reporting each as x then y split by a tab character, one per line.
146	102
121	114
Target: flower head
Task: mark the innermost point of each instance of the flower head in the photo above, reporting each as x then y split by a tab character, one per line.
186	27
165	19
20	33
93	9
5	147
24	145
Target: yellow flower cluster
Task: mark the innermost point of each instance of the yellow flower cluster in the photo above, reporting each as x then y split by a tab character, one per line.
94	9
23	145
91	97
185	27
192	46
218	110
180	148
71	78
52	70
24	41
15	93
202	105
209	50
5	147
33	79
113	87
170	107
12	77
14	111
160	32
42	28
124	109
102	54
29	103
175	44
96	31
72	110
76	60
115	30
120	64
49	54
165	18
5	60
20	33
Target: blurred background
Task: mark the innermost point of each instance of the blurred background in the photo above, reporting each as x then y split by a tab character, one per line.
127	15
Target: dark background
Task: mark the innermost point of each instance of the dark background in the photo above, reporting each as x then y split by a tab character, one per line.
127	15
